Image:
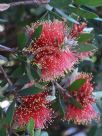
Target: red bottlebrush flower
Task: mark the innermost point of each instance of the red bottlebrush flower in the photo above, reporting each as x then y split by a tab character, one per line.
36	107
57	64
84	97
83	55
75	32
77	29
47	50
81	116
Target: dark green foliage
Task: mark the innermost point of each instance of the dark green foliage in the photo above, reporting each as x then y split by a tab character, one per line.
77	84
14	38
30	91
37	32
30	127
89	2
10	113
75	103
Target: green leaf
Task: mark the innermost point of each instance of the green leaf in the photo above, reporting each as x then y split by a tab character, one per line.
30	127
84	37
22	39
1	97
9	113
60	4
21	58
61	108
92	131
94	3
37	32
3	132
22	80
75	103
30	91
43	83
18	72
58	105
35	72
1	113
76	85
2	119
3	123
83	13
85	47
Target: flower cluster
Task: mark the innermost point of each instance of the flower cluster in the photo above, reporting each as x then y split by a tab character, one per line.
53	51
35	107
47	50
84	96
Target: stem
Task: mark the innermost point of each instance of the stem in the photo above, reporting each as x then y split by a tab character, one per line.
29	2
63	91
77	131
28	69
60	87
4	48
45	14
53	89
6	76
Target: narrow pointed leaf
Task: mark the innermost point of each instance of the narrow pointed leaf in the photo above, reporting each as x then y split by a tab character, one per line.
85	37
37	32
9	113
22	39
58	105
75	103
83	13
60	3
92	131
89	2
30	91
30	127
76	85
18	72
3	132
85	48
61	109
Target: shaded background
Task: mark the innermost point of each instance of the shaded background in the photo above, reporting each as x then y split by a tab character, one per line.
12	34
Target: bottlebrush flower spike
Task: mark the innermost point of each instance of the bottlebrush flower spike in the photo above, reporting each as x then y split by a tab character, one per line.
84	97
36	107
47	50
77	29
81	116
84	55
